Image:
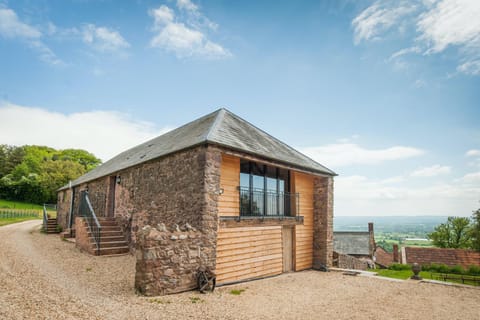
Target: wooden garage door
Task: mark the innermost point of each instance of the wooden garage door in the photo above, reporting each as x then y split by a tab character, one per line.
248	252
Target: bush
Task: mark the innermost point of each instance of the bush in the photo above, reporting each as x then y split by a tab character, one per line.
400	267
443	268
474	270
457	270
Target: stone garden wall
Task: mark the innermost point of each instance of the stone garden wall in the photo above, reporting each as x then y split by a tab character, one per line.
345	261
168	259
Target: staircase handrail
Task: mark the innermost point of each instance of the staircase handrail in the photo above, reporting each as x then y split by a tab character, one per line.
45	218
94	226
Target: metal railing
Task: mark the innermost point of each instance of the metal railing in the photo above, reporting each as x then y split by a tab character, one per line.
86	210
45	218
261	203
6	213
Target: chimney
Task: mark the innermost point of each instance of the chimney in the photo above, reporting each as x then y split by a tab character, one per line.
372	239
395	253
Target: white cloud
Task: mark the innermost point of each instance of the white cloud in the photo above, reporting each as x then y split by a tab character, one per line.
470	67
12	28
405	51
434	25
378	18
163	15
45	53
187	5
346	154
184	38
103	39
472	178
473	153
359	195
450	23
431	171
104	133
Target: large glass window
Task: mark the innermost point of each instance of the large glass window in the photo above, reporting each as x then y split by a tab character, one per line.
264	190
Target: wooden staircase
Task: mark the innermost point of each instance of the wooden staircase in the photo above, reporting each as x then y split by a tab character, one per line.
112	240
51	226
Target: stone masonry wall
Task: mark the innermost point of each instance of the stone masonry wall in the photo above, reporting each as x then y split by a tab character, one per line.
63	207
169	190
323	222
97	192
345	261
82	241
167	260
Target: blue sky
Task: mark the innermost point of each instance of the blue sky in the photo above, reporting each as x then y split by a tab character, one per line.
386	93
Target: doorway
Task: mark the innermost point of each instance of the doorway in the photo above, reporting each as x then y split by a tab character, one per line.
110	212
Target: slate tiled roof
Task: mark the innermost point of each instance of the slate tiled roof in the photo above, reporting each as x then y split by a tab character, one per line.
450	257
221	128
354	243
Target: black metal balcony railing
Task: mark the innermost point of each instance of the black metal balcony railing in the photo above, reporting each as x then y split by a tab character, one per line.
261	203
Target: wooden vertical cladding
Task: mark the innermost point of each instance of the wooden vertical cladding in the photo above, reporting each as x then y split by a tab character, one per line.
303	184
258	251
248	253
228	204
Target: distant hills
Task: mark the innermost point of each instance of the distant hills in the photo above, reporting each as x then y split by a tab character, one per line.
386	224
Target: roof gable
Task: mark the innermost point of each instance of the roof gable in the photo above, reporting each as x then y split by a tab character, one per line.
221	128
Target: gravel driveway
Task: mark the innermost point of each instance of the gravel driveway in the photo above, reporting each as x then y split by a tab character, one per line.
42	277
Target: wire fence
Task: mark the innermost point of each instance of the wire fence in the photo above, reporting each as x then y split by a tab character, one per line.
20	213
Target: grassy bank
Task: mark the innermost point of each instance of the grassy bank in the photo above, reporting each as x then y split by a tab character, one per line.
5	221
6	204
13	212
406	274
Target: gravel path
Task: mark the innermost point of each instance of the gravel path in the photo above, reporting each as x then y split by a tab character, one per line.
42	277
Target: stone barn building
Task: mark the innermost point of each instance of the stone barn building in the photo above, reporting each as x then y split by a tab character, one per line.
217	192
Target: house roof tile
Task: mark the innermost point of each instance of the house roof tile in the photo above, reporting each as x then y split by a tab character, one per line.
221	128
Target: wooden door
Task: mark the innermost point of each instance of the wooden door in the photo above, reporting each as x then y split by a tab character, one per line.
287	248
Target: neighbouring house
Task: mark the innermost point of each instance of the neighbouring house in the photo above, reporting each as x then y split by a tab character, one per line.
449	257
354	249
384	259
217	193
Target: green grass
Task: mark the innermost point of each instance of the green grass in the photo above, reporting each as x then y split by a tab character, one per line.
406	274
4	222
401	274
13	207
196	300
6	204
237	292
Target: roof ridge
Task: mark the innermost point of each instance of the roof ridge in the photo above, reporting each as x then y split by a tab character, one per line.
218	120
277	140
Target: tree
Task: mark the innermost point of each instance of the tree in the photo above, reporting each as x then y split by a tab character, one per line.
85	158
475	230
34	173
55	174
455	233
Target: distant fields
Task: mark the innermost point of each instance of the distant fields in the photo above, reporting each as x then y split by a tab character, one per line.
400	230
